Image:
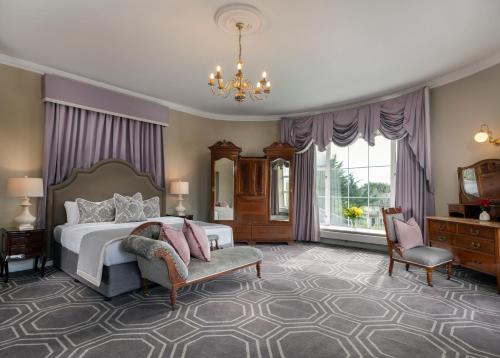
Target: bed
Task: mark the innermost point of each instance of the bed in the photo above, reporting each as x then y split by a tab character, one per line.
120	272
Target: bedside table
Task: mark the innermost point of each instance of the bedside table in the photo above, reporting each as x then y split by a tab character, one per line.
189	216
19	245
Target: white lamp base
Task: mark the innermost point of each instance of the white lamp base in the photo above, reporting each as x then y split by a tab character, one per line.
181	210
25	220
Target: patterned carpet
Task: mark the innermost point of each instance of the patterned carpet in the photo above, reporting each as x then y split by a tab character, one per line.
313	301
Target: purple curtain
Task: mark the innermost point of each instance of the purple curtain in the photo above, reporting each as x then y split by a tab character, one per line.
79	138
401	118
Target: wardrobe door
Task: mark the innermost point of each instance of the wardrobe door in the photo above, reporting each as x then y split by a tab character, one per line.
245	185
259	177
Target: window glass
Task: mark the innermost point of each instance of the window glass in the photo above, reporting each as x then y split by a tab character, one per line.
358	175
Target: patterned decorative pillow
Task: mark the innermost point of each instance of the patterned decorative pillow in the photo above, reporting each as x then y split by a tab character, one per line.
152	207
129	209
95	212
197	240
177	240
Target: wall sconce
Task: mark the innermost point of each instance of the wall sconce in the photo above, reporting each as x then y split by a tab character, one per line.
484	135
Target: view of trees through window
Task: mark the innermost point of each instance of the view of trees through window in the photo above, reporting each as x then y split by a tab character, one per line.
355	176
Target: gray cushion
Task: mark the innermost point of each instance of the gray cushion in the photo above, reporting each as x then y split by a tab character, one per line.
95	212
129	209
425	255
152	207
223	260
391	230
145	248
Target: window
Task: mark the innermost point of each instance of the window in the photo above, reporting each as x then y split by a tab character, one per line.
356	175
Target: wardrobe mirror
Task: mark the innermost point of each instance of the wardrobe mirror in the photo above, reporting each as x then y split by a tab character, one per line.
224	189
279	190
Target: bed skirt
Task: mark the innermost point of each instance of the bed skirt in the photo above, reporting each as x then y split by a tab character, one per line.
116	279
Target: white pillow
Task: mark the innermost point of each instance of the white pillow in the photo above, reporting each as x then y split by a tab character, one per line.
72	213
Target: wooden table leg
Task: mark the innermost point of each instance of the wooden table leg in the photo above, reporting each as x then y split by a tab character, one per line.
6	265
42	269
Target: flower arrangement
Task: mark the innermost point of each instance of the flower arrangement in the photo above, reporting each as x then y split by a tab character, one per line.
353	213
484	204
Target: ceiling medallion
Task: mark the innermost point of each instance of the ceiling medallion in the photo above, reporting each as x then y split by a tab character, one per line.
244	19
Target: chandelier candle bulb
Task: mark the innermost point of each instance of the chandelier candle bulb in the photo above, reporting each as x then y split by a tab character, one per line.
211	80
264	75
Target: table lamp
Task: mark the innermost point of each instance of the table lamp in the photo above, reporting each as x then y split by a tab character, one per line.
180	188
25	188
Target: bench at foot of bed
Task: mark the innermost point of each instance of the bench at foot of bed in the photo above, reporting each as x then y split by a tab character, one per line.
159	263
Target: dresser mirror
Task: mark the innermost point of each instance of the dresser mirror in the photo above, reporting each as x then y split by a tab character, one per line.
279	205
223	189
480	180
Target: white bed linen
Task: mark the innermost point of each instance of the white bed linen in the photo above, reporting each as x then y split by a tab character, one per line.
70	237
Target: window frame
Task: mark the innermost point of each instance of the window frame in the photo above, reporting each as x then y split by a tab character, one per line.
327	191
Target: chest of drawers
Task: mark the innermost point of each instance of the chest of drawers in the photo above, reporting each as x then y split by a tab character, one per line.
475	244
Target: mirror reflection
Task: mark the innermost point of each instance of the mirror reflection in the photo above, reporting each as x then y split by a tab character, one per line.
469	182
224	189
280	190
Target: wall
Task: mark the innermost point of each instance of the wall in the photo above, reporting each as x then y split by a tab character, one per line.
457	111
21	133
187	139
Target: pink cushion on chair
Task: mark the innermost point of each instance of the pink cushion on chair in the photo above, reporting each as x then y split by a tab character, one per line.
408	234
177	240
197	240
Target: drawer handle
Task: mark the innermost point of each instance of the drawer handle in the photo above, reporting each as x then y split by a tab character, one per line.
442	238
476	245
442	226
474	231
477	262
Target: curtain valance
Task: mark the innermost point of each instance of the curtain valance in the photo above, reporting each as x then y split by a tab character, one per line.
81	95
394	119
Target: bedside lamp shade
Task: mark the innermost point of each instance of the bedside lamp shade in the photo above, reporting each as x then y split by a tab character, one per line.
25	187
179	187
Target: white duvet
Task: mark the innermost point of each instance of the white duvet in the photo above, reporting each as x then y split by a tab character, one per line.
70	237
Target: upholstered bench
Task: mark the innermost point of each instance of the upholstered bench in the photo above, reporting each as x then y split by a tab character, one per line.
159	262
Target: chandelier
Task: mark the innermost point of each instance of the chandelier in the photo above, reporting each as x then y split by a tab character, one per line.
242	87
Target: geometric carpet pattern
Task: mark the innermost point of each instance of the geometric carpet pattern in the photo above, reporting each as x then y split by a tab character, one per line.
312	301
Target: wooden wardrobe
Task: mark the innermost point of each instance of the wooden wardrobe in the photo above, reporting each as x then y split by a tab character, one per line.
253	195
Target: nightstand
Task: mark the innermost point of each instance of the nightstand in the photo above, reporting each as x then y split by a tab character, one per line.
19	245
189	217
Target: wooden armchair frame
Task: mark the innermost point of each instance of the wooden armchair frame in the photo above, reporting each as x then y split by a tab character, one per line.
392	247
173	275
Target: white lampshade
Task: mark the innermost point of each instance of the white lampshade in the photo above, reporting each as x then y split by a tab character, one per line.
25	187
179	187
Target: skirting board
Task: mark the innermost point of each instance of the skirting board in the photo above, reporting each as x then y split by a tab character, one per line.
363	241
25	265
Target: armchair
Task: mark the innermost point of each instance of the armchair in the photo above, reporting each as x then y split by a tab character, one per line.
423	256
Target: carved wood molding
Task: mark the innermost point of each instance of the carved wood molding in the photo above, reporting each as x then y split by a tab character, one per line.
224	145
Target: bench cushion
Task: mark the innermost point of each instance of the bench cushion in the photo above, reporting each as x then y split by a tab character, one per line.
427	256
223	260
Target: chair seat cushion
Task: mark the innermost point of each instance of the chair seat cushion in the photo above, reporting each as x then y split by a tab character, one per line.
223	260
425	255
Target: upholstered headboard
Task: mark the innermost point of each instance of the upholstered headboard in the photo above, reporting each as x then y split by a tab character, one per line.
98	183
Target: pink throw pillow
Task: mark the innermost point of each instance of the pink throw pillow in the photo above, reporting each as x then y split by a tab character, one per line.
177	240
197	240
408	234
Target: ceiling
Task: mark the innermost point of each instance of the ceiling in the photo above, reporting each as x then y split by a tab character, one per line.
317	53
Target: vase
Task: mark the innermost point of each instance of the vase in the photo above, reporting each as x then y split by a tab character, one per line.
484	216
